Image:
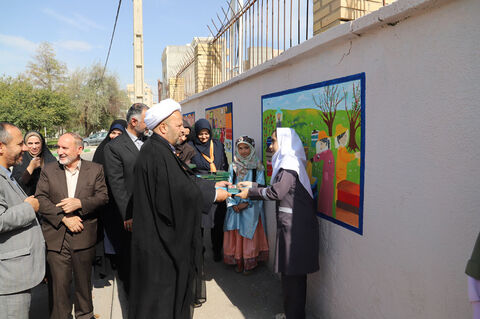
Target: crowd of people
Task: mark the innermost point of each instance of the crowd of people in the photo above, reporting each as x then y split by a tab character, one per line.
141	207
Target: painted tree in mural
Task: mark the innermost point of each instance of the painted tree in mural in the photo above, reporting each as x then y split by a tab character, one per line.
353	116
328	103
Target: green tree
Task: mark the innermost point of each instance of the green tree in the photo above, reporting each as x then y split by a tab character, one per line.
30	108
45	70
96	97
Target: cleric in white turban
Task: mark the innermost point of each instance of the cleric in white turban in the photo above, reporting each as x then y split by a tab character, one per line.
168	200
160	111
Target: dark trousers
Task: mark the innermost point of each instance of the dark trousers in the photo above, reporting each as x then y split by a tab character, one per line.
216	233
62	265
124	259
294	289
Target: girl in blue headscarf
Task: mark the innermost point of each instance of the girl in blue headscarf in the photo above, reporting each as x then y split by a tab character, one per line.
245	242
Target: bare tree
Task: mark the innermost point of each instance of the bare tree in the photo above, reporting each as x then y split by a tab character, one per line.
353	116
45	70
328	103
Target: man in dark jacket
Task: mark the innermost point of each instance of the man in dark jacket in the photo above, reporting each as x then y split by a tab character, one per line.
120	157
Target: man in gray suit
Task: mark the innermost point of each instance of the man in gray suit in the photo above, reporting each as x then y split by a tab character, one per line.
22	247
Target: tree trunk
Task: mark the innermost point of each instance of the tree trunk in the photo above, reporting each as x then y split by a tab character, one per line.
352	142
329	124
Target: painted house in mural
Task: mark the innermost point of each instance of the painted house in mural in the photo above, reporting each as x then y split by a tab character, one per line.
329	117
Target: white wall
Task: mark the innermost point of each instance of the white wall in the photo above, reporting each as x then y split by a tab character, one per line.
422	175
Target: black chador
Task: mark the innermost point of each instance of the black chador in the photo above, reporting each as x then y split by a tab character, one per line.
166	241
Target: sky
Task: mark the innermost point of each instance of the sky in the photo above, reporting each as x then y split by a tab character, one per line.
80	32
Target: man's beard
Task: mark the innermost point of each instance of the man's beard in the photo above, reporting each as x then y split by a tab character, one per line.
18	159
140	133
66	160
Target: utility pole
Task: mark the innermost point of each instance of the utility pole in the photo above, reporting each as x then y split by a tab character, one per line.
138	84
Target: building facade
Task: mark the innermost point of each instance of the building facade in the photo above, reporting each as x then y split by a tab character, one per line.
172	56
147	97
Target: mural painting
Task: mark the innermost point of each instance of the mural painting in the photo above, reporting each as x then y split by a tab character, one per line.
190	118
220	118
329	117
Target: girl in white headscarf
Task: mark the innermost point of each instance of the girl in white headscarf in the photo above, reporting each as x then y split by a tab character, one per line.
244	241
296	250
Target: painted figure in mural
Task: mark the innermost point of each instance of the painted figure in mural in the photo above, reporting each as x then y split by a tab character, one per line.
326	192
314	138
309	165
191	119
211	120
268	156
309	168
279	117
222	135
245	242
343	156
296	250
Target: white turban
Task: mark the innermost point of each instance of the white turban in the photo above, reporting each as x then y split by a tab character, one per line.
160	111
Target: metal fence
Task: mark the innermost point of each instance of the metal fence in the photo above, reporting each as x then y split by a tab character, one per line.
246	34
255	31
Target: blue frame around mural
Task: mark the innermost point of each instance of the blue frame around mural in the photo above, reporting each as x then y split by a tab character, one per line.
229	105
361	77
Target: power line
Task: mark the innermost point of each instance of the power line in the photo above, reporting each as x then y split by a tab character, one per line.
111	40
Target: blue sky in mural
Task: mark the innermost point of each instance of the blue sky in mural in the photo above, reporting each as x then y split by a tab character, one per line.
304	99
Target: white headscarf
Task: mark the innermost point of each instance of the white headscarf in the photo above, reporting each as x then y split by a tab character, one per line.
291	155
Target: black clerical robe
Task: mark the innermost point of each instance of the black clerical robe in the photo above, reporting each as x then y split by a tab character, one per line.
166	239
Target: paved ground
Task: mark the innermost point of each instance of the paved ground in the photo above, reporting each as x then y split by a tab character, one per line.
233	295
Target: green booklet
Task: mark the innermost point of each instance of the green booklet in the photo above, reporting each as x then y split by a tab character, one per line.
217	176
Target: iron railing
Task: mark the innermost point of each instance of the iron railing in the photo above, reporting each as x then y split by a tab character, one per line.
248	33
255	31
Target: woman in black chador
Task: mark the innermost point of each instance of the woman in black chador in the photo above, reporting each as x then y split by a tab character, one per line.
109	223
209	158
28	172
